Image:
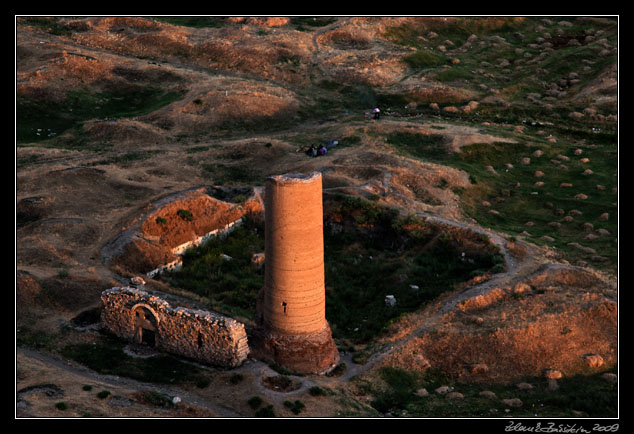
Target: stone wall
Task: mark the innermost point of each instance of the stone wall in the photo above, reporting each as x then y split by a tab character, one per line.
135	315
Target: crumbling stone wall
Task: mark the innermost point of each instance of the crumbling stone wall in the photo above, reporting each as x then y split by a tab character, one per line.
133	314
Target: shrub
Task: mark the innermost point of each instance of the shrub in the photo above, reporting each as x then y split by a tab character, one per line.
61	406
265	412
296	407
103	394
202	382
87	387
255	402
236	379
316	391
185	215
158	399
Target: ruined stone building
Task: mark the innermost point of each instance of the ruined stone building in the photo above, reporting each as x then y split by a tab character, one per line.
291	328
136	316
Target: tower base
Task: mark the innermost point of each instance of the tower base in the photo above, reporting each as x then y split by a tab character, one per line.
314	353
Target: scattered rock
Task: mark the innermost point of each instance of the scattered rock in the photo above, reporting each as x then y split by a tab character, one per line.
581	196
552	374
390	300
488	394
455	395
477	368
578	246
422	393
548	239
442	390
610	377
524	386
604	217
593	360
513	402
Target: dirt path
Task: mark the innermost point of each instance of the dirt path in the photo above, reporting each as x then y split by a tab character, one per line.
313	61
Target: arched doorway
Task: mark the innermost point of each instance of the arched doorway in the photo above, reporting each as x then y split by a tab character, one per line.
145	326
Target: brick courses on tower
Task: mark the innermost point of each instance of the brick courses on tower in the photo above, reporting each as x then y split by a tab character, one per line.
292	330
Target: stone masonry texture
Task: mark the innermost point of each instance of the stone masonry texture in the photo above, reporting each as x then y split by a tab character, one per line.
292	328
200	335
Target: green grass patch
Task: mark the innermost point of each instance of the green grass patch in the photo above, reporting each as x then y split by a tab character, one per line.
230	285
223	174
308	24
50	25
198	22
589	394
38	120
372	258
513	192
107	357
425	146
424	59
365	265
453	74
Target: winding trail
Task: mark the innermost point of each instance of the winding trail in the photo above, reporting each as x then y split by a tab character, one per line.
313	61
514	268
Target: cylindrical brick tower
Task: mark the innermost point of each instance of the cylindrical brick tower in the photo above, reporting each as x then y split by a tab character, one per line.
292	330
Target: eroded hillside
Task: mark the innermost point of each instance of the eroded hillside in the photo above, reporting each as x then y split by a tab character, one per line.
137	134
